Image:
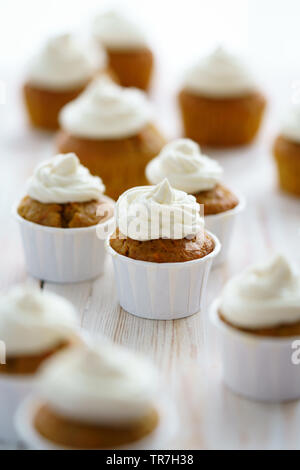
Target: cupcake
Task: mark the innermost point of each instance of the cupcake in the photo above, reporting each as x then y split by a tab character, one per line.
93	397
162	255
257	318
187	169
287	153
34	325
58	219
220	103
56	75
127	49
110	129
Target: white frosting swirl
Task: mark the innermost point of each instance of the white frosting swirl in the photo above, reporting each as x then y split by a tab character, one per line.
33	321
63	179
185	167
62	64
99	384
106	111
115	31
291	124
152	212
220	75
266	295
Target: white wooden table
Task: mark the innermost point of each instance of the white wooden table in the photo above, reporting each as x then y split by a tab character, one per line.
210	416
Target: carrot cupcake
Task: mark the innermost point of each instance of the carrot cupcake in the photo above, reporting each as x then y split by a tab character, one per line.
287	153
111	130
58	219
95	397
57	74
127	49
34	325
187	169
161	252
258	318
220	102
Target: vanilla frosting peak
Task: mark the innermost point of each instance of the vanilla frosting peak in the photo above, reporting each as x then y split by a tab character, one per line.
162	193
220	74
63	179
106	110
187	169
100	384
61	64
33	321
265	295
153	212
115	31
291	124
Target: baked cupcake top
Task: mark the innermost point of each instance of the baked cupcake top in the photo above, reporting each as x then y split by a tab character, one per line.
266	295
116	31
61	64
153	212
290	128
33	321
220	75
99	384
106	110
63	179
186	168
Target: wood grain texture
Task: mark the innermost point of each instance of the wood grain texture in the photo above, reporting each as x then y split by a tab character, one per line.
210	416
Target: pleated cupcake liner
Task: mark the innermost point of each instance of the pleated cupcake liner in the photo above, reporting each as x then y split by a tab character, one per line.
162	291
222	225
255	367
62	255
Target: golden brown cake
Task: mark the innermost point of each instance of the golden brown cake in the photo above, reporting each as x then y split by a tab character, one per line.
78	435
120	162
69	215
163	250
216	200
132	68
221	122
43	106
287	157
29	364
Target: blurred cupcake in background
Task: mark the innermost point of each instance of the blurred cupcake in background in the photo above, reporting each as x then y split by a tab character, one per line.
34	325
95	397
57	74
257	319
111	130
287	152
187	169
128	52
220	102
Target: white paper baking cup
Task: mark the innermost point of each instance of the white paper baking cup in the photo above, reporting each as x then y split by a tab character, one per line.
158	439
62	255
256	367
162	291
13	390
222	226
